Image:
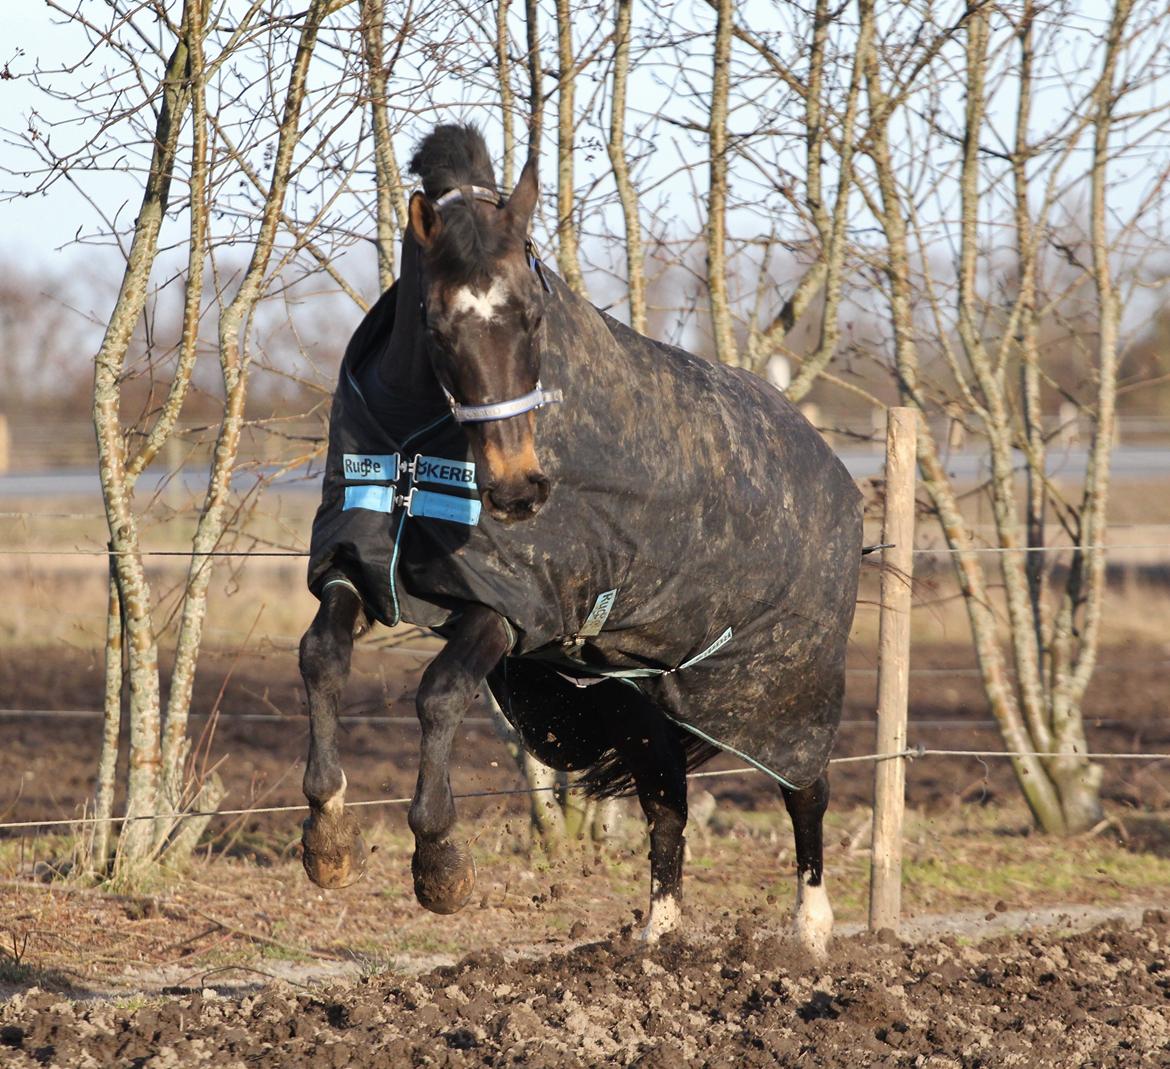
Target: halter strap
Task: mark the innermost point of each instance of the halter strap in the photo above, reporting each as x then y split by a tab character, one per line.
461	192
516	406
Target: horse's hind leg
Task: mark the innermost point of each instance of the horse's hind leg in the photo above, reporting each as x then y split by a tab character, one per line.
651	748
814	915
334	854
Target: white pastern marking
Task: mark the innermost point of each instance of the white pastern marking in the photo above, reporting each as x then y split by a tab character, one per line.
484	305
814	918
333	806
665	916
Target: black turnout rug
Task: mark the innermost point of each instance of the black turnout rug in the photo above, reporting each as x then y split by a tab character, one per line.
701	542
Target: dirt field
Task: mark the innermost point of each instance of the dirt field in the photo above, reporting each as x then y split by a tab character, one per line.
47	763
242	962
737	997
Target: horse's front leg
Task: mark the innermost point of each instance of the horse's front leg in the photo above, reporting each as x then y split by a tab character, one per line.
444	873
334	854
814	915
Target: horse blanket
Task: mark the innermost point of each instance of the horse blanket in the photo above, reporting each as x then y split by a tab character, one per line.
701	541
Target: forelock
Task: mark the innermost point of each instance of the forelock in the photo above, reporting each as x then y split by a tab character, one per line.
467	250
451	156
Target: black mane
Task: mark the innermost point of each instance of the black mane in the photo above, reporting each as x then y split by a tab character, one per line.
448	158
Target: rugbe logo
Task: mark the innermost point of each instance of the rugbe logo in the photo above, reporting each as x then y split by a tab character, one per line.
370	467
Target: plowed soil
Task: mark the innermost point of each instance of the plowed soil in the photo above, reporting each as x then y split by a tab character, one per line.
242	963
741	997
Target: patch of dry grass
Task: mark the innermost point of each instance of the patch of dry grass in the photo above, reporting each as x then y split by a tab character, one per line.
974	859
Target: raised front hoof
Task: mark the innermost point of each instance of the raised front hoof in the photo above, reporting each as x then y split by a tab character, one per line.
444	876
334	853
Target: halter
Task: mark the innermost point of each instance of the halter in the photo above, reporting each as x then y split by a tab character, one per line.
538	396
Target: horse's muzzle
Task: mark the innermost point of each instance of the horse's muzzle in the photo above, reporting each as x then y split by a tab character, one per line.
517	499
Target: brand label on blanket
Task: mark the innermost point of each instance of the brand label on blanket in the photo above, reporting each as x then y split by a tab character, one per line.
595	621
373	498
370	467
445	472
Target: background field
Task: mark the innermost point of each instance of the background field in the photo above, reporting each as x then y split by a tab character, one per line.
240	960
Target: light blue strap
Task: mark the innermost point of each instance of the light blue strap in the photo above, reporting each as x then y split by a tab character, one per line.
730	749
718	644
646	673
631	673
445	472
340	581
394	572
373	498
443	507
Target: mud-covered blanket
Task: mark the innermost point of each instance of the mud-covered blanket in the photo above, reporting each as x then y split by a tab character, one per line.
701	541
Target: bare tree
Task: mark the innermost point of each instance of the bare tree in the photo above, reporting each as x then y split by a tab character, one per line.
616	146
174	76
390	192
726	349
990	369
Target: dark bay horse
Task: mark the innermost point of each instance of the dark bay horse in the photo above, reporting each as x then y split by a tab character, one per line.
647	556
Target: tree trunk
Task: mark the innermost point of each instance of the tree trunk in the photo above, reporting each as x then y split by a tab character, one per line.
103	808
719	300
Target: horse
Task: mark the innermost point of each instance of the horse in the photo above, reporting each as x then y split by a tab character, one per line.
648	557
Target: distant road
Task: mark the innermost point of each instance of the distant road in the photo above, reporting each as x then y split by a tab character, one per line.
1130	463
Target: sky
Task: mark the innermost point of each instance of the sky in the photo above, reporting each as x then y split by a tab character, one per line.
41	228
36	227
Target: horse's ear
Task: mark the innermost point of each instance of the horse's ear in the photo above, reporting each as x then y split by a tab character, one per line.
425	222
522	202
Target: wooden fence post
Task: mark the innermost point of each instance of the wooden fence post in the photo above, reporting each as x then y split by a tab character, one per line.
889	780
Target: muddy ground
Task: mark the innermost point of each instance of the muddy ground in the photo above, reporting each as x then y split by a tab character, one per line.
740	996
242	963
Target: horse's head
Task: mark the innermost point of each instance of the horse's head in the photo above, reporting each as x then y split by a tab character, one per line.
483	304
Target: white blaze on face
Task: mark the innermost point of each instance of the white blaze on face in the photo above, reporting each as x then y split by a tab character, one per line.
814	918
484	305
665	916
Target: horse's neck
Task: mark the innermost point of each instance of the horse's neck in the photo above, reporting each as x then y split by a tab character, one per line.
402	370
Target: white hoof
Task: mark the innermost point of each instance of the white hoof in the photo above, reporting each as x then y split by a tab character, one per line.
814	919
665	916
